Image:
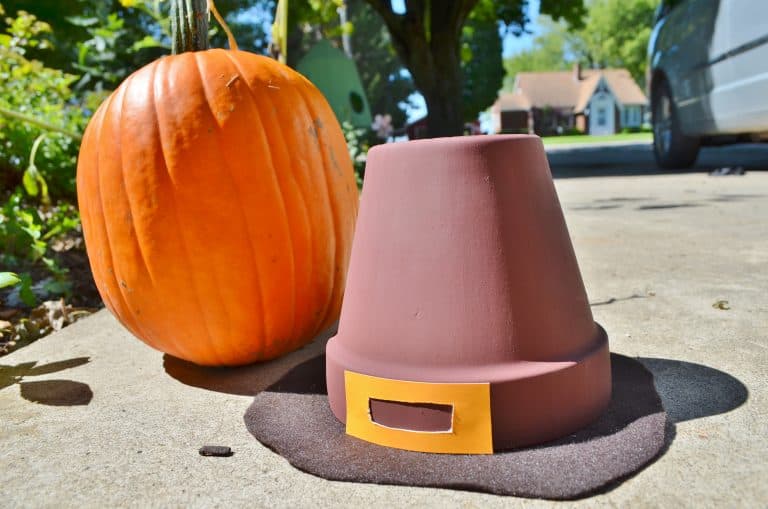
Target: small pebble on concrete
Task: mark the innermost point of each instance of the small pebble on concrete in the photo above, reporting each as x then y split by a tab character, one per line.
215	450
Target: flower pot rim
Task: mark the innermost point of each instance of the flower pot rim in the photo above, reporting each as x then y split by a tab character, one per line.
457	141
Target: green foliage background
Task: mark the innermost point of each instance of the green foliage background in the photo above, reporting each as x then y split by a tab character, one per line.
615	34
30	88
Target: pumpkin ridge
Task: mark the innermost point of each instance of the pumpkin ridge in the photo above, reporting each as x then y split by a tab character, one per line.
283	144
235	192
346	202
149	338
302	175
312	327
95	262
124	305
131	206
109	280
334	290
195	55
182	239
177	348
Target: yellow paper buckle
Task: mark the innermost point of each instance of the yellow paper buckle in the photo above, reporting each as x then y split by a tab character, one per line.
470	431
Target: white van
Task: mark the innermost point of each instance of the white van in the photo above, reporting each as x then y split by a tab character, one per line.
708	75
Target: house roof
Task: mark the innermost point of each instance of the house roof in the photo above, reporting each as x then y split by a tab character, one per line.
560	89
515	101
587	88
623	86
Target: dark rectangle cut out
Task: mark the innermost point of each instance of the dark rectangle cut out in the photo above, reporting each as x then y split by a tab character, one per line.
424	417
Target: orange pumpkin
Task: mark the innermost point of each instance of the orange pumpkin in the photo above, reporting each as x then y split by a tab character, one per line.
218	203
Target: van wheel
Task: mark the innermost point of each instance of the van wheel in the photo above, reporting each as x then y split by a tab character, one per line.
671	147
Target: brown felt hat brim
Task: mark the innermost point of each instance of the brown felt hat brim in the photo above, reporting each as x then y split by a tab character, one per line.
292	417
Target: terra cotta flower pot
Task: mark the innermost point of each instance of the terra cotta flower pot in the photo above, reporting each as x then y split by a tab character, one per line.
465	326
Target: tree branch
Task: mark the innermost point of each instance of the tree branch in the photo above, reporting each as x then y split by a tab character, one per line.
463	11
384	8
39	123
401	36
452	14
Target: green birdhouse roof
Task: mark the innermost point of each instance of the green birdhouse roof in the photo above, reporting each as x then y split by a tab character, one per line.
336	76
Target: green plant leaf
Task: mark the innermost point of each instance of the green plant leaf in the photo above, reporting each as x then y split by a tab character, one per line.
58	287
83	21
26	294
147	42
8	279
30	182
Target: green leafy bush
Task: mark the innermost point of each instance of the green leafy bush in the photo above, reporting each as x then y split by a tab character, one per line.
358	146
26	236
29	89
113	50
40	122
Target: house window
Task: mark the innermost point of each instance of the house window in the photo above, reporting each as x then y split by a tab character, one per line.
601	117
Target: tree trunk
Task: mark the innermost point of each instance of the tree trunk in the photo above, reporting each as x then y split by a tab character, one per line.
440	84
426	38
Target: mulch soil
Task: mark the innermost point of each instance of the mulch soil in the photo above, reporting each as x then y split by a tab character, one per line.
20	325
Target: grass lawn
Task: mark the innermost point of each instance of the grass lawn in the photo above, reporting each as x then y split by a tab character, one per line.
565	140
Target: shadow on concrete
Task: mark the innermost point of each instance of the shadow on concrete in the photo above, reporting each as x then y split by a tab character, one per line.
618	299
245	380
625	199
663	206
607	206
56	392
620	202
637	160
47	392
305	378
691	391
736	197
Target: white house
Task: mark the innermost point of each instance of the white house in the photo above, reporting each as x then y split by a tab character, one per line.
594	101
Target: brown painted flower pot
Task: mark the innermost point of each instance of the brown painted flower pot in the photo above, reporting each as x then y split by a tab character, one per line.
465	326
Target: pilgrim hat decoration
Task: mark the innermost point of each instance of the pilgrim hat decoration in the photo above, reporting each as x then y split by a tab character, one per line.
465	327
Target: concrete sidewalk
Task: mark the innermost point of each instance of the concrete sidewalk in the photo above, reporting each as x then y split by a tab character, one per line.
116	424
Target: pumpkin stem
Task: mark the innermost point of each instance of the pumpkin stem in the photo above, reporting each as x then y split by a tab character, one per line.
189	25
224	26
